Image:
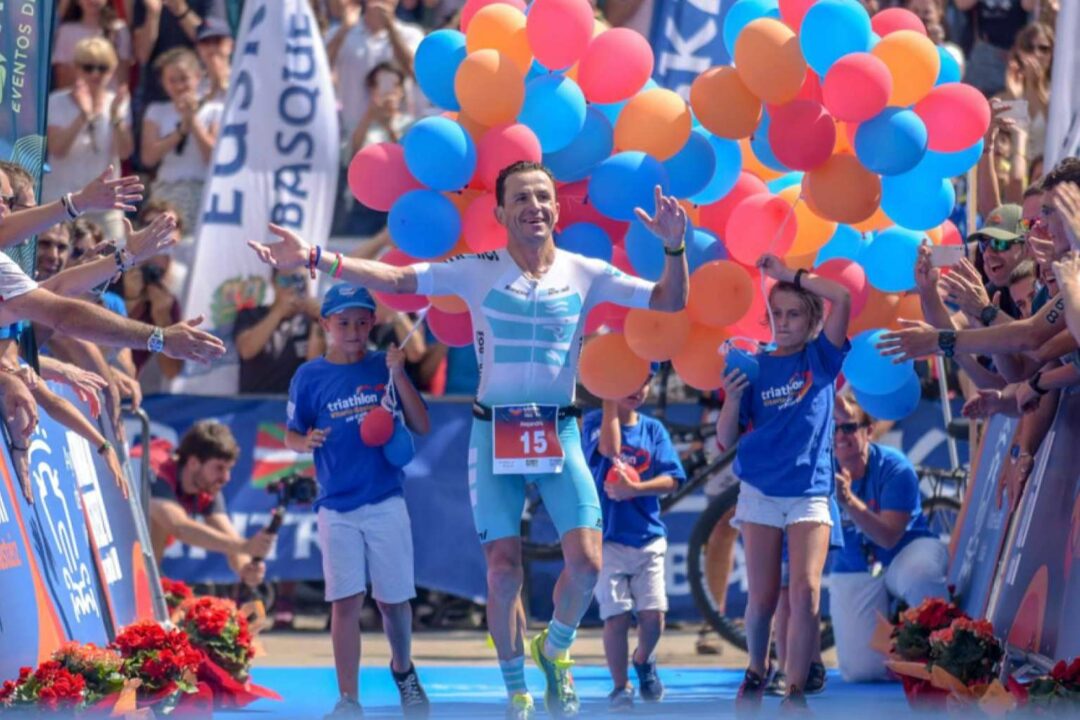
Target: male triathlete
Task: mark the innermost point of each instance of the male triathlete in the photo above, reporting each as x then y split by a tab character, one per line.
528	304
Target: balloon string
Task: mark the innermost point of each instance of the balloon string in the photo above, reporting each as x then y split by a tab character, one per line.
764	293
390	398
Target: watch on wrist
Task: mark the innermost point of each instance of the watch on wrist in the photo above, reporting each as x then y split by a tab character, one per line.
1033	383
156	342
947	342
988	315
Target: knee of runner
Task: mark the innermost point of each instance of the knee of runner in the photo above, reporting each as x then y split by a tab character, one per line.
651	619
505	576
804	597
585	568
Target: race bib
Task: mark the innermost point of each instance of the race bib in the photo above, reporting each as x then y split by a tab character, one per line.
526	439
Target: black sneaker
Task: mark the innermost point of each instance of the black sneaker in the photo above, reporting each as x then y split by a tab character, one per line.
777	684
750	693
815	679
649	685
794	703
414	701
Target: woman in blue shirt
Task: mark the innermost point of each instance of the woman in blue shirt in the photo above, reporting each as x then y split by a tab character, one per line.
785	465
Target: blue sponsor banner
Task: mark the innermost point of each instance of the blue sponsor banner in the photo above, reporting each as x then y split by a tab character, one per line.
25	53
687	39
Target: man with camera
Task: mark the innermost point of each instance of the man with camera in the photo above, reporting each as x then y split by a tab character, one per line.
187	485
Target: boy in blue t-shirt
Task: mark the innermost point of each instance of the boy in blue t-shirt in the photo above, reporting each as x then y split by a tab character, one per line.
363	524
633	463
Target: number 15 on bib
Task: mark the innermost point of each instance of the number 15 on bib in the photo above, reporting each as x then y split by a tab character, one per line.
526	440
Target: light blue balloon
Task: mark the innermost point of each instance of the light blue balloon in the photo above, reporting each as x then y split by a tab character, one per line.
554	109
702	247
436	63
759	143
847	243
592	145
424	224
785	181
892	142
536	70
830	30
691	169
747	364
645	251
399	450
947	165
889	261
728	167
895	405
625	181
610	110
742	14
913	202
949	70
440	153
870	371
585	239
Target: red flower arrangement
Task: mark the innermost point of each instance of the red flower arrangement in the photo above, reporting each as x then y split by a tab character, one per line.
176	592
968	650
1056	693
217	627
163	660
911	636
100	668
50	687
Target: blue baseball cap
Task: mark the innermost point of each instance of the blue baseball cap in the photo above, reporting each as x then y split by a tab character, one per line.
654	367
212	28
343	296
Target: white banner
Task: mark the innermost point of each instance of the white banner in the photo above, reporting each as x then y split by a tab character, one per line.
276	160
1063	125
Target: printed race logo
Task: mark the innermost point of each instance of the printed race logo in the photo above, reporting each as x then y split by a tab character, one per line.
790	393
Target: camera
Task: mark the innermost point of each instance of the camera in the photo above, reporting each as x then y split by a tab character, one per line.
294	489
152	274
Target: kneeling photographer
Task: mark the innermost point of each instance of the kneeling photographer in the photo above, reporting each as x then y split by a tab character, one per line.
186	502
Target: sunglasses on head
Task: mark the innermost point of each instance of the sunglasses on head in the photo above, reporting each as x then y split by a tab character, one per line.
94	68
848	428
986	243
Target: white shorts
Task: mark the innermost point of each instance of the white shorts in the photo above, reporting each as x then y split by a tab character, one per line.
632	579
756	507
371	541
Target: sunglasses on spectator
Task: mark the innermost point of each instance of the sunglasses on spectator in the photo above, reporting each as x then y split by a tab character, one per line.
1029	224
94	68
986	243
9	200
849	428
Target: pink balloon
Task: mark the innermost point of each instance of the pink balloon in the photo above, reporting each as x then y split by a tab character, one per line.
810	90
378	176
892	19
950	234
956	116
574	207
760	224
617	63
472	7
715	215
802	134
504	145
482	230
559	31
607	315
453	329
401	303
857	87
792	11
755	323
849	274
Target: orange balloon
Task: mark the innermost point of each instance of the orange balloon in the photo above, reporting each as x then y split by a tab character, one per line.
913	62
655	121
844	143
463	198
720	293
656	335
769	61
909	308
878	221
452	304
500	27
723	104
811	231
752	165
879	311
475	129
842	190
609	369
489	87
800	262
693	212
460	248
755	323
935	234
700	364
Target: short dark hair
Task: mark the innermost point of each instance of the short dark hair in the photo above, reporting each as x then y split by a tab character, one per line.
1068	170
157	206
1025	269
1033	189
521	166
207	440
372	77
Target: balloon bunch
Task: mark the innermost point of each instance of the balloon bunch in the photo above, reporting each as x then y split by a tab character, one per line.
830	141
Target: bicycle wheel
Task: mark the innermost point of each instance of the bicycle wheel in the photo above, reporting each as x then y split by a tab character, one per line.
942	513
729	628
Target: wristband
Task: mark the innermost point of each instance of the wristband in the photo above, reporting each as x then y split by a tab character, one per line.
339	266
184	14
947	342
332	272
1033	383
312	263
797	282
105	447
318	259
69	206
677	251
122	263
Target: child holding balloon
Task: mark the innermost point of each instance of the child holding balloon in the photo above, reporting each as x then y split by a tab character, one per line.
363	524
633	463
785	465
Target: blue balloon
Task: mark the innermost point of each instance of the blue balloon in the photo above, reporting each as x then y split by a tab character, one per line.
947	165
440	153
742	14
870	371
949	72
645	251
728	166
702	247
424	224
554	109
585	239
830	30
892	142
759	143
785	181
436	64
916	203
847	243
895	405
747	364
691	169
591	146
889	261
399	450
626	181
610	110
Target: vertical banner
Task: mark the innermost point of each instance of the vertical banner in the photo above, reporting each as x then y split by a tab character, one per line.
1063	124
25	53
276	160
687	40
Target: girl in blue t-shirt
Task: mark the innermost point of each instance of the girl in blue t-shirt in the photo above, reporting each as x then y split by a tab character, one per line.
784	462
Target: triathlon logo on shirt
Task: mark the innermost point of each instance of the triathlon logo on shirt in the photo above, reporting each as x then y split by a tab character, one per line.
637	458
790	393
363	399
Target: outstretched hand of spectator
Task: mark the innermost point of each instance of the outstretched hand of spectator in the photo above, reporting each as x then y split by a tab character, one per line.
106	193
989	402
291	252
154	239
184	341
